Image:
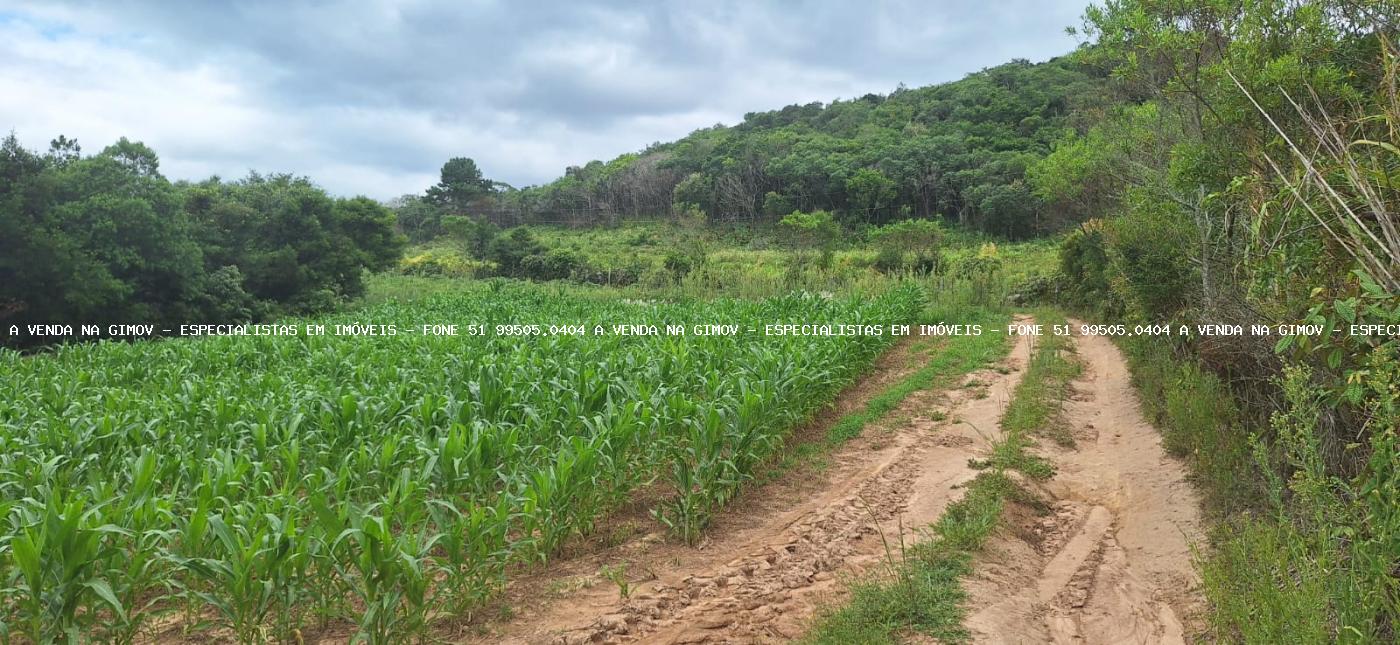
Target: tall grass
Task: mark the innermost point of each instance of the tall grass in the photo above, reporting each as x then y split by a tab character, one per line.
1307	547
1320	564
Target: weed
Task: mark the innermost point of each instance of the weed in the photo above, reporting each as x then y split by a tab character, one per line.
618	576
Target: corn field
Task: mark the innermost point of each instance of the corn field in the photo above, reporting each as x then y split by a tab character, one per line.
255	488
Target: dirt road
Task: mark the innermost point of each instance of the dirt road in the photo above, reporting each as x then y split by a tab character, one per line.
1110	564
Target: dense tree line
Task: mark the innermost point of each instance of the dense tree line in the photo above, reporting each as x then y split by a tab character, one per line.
106	239
958	151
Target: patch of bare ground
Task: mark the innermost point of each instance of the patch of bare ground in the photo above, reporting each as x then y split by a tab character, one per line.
779	553
1112	561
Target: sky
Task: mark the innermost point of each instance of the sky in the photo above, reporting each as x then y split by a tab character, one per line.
370	97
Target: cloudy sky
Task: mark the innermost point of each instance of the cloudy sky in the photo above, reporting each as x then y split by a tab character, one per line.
371	96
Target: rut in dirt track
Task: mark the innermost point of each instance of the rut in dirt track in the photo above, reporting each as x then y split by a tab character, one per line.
1113	562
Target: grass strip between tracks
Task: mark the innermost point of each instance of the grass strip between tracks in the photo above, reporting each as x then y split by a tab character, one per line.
919	589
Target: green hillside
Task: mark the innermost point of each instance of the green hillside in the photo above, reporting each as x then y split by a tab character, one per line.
958	150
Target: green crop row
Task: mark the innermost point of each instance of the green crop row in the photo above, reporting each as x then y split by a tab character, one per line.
258	487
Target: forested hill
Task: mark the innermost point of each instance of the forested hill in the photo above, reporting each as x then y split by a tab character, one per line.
958	150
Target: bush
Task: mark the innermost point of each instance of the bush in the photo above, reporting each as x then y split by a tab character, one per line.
889	260
474	235
554	264
509	251
1085	265
1149	251
623	275
777	205
982	267
808	233
1325	571
678	264
225	298
928	263
1035	288
898	242
432	264
418	219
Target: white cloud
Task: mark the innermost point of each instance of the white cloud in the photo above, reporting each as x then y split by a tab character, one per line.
372	96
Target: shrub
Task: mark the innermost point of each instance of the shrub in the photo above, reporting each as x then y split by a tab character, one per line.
982	267
1149	251
889	260
474	235
911	244
776	204
808	233
1035	288
509	251
642	238
928	263
679	264
225	298
1085	265
554	264
431	264
621	275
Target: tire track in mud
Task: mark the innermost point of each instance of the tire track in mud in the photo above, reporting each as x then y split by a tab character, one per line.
1112	562
764	583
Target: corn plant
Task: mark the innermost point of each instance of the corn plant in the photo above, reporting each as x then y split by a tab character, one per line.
471	553
388	576
59	554
299	482
240	574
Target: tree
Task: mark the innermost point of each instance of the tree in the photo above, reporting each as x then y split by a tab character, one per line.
1006	209
811	233
461	184
418	219
691	249
107	239
776	204
63	151
369	227
93	240
923	149
869	190
135	156
472	234
297	248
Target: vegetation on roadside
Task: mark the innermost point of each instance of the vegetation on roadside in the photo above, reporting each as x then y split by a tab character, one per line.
1298	553
1250	178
